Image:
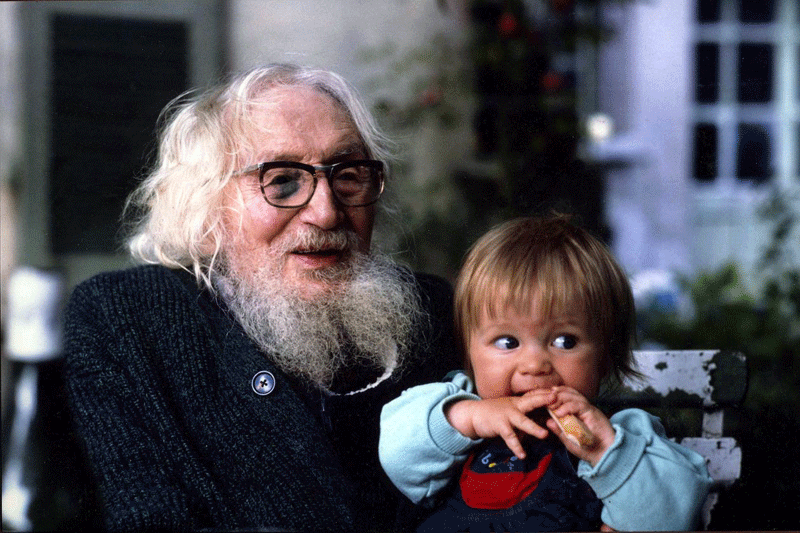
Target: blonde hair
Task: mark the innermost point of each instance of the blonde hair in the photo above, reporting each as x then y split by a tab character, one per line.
566	265
175	215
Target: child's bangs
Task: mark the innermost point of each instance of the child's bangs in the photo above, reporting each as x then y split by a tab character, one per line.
548	285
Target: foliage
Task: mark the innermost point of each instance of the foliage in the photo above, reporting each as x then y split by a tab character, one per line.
424	92
726	316
765	326
523	56
433	78
517	72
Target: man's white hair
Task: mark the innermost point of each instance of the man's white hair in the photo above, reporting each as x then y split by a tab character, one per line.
175	215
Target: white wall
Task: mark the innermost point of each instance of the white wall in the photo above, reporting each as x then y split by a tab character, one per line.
660	216
331	34
644	84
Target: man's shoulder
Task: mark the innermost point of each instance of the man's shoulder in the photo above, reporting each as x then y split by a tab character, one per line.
139	297
133	287
435	343
432	280
137	277
434	289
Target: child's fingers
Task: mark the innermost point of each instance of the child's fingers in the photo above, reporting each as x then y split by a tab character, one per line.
541	394
509	432
571	407
534	400
586	413
512	441
568	401
530	427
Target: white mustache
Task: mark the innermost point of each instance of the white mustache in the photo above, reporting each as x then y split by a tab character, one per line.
312	239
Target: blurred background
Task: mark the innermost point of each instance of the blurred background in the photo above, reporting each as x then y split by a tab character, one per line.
671	128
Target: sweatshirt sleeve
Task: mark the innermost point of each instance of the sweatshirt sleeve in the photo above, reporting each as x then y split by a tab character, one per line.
646	481
418	448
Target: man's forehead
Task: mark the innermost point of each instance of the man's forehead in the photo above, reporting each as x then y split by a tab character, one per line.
284	150
303	127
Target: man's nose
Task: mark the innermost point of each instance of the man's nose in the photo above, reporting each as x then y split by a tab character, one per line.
323	210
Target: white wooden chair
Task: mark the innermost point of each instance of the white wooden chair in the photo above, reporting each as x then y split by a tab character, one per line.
704	380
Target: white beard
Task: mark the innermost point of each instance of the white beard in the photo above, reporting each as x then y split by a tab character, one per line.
367	318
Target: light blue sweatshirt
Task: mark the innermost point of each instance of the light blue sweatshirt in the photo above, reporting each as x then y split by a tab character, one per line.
645	481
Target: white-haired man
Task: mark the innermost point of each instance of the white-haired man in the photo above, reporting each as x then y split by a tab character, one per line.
236	381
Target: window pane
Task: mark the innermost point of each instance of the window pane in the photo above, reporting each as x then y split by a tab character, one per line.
707	73
111	78
756	11
705	152
708	10
753	153
755	73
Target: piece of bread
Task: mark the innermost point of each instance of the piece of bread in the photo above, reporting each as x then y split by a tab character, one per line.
575	430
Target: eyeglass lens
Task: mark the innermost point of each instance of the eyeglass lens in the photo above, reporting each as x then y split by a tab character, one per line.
356	184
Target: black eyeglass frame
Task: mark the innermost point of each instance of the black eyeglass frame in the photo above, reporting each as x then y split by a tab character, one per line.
328	170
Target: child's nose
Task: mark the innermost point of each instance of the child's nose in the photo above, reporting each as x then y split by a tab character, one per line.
536	361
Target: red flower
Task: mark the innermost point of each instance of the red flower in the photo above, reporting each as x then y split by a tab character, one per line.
552	81
507	24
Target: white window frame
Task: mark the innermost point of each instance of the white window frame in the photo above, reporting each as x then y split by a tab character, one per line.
781	116
726	220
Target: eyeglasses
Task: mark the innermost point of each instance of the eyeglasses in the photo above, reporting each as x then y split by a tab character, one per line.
288	184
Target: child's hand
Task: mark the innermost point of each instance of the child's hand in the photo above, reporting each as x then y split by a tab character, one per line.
500	417
569	401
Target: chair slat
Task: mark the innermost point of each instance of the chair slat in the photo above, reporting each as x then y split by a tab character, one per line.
708	380
723	457
704	379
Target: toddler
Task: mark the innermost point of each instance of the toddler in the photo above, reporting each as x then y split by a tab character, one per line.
544	315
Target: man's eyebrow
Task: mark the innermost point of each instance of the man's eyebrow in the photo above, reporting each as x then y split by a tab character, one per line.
280	156
350	149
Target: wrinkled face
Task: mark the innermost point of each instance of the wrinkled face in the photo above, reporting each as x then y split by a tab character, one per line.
297	244
516	353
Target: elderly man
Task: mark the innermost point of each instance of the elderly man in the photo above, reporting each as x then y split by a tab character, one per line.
236	381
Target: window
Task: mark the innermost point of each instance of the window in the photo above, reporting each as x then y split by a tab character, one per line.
756	11
707	73
753	153
708	10
755	73
705	149
111	78
96	75
747	92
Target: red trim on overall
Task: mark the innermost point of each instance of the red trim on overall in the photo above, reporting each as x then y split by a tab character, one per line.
502	490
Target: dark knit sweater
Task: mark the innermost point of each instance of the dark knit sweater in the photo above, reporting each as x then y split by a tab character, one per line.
159	377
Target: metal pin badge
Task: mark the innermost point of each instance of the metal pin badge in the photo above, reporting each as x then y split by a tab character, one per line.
263	383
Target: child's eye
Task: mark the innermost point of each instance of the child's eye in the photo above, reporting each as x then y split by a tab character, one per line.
565	342
506	342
